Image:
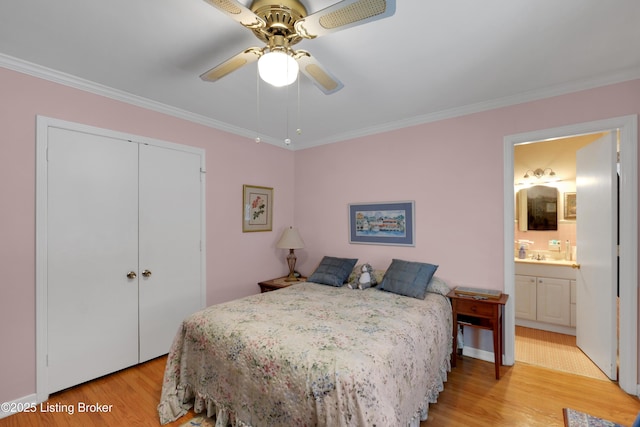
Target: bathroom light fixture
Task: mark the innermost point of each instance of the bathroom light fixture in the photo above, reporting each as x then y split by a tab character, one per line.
539	173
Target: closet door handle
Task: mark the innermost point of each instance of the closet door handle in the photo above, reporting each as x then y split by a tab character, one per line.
132	275
146	273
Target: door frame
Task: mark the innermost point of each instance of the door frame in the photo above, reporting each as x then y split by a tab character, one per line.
628	246
42	125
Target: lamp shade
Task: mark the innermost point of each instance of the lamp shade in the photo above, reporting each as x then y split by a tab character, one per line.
278	68
290	239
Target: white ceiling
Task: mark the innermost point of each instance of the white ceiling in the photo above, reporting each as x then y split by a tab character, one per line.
432	59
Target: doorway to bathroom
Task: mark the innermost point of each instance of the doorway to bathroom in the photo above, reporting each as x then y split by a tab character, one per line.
545	178
627	128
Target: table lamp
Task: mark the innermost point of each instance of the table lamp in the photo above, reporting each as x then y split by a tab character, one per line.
291	240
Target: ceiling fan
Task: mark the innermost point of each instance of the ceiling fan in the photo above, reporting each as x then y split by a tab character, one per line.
280	24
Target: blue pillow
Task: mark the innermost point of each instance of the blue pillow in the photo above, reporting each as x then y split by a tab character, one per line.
408	278
333	271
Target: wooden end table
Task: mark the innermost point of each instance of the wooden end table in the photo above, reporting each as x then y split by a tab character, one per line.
278	283
479	313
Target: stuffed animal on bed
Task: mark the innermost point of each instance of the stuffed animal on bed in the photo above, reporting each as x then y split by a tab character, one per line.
365	279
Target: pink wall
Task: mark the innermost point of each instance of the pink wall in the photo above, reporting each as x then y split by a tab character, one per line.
231	161
439	166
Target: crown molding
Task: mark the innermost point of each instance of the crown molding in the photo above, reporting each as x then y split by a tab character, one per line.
45	73
534	95
70	80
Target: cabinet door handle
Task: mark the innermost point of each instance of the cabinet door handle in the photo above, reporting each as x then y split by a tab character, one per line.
576	266
132	275
146	273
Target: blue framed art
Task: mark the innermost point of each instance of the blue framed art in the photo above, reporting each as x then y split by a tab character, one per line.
387	223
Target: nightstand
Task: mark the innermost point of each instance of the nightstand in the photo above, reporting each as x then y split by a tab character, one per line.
479	313
279	283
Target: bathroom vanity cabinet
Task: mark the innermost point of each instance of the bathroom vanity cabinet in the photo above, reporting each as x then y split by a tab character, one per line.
545	296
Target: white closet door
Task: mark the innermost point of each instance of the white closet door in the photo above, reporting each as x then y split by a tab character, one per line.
170	233
92	215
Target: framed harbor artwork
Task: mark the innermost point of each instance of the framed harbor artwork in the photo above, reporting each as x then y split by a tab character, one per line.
382	223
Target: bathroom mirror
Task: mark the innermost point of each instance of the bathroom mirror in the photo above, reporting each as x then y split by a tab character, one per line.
538	208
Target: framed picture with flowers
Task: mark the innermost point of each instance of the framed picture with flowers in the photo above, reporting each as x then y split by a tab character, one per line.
257	208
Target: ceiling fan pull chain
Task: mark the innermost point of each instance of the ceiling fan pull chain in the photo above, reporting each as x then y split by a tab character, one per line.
287	140
257	107
299	129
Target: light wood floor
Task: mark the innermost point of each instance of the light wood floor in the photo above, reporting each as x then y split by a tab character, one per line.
554	351
525	395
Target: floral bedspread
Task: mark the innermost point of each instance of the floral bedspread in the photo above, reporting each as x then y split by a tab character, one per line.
311	355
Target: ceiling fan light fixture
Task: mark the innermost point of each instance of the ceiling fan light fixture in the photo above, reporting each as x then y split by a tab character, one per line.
278	68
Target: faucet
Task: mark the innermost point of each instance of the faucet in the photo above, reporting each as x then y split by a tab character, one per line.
537	257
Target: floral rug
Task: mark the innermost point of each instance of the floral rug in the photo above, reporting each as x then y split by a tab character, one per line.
199	421
573	418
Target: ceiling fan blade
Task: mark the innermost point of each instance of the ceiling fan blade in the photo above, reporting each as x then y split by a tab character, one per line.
320	76
342	15
238	12
243	58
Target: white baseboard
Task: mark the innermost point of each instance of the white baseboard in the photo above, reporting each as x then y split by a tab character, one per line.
487	356
15	406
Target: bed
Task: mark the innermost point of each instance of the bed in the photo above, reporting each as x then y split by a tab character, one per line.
312	354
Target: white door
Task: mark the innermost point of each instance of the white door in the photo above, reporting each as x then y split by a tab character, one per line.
596	200
92	244
170	247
